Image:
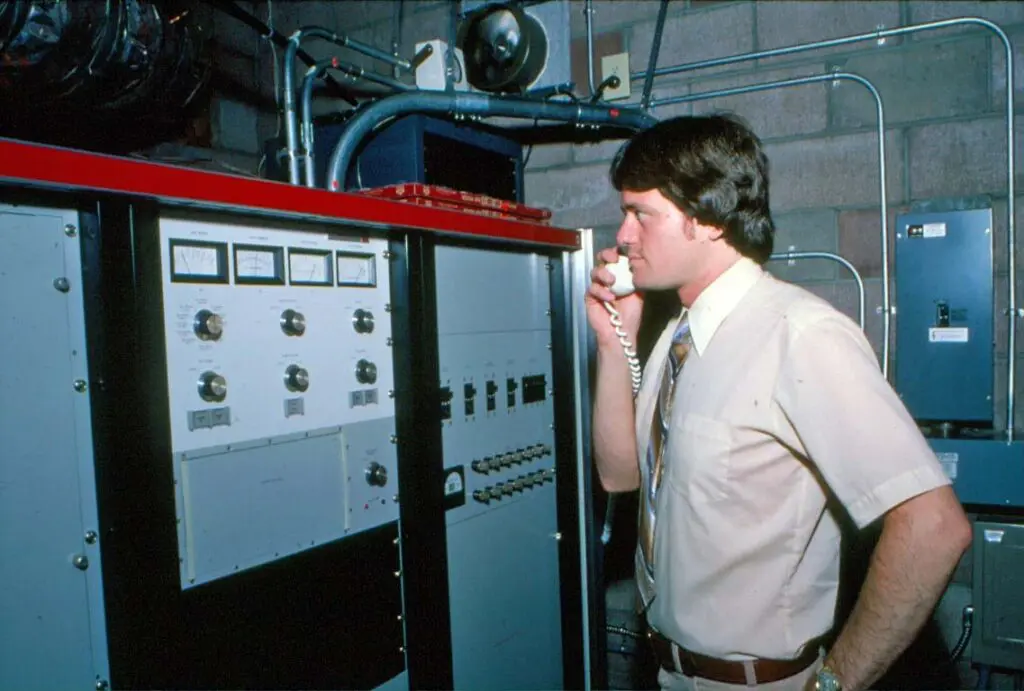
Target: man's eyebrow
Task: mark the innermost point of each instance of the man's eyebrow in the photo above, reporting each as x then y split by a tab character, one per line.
632	206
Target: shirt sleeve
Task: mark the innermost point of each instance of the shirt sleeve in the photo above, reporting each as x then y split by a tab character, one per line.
852	425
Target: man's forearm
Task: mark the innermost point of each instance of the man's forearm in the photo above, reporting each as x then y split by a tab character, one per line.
614	432
909	571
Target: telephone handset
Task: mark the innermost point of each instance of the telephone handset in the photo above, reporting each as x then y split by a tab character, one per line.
624	286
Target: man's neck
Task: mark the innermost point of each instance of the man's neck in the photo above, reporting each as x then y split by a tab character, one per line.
689	293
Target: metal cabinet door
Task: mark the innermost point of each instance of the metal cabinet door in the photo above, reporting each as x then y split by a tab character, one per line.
51	613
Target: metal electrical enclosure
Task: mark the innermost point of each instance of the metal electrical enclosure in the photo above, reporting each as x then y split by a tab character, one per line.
944	319
998	582
262	436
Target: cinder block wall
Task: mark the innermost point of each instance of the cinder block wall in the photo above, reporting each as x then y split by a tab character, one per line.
943	93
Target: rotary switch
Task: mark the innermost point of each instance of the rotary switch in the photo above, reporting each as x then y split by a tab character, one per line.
212	387
362	321
296	378
366	372
208	326
376	474
293	323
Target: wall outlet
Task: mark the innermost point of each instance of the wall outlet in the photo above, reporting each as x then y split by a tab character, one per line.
617	65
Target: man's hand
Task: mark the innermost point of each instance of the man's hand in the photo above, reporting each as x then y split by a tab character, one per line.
629	307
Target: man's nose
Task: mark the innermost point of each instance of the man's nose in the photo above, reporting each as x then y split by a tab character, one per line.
627	234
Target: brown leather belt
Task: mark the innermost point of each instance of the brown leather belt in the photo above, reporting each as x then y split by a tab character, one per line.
728	671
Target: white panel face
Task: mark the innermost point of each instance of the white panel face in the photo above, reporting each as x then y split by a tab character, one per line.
272	332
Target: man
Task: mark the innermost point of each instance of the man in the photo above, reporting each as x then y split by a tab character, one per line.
759	406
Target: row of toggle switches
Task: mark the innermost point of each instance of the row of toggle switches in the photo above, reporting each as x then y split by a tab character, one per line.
504	489
506	460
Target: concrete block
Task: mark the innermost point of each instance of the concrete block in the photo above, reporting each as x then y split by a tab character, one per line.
923	80
578	197
779	112
602	152
614	14
833	171
712	33
961	158
1001	12
234	125
350	15
604	236
999	237
999	393
434	22
999	69
807	231
667	88
860	238
792	22
547	155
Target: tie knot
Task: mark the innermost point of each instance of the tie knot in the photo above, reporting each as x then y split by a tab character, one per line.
680	345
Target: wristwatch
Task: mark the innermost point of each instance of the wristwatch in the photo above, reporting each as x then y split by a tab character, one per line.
827	680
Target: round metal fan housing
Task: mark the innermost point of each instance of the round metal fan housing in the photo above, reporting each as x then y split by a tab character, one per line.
504	48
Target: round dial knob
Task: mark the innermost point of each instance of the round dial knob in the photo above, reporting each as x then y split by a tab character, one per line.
293	323
213	387
366	372
376	474
296	378
362	321
209	326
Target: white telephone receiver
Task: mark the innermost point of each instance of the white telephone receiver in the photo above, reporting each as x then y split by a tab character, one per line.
624	286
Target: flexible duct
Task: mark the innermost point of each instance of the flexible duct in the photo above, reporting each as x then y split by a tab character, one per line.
470	104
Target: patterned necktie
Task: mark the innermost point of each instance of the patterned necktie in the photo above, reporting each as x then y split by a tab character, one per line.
677	353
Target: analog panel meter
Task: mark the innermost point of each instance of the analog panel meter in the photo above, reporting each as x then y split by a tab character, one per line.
310	268
259	264
357	269
198	262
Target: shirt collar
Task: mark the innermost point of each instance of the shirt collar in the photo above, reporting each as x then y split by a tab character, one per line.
719	299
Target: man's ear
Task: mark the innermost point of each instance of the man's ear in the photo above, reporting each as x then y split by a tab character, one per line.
709	232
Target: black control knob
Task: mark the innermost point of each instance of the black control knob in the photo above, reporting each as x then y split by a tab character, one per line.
362	321
212	387
366	372
208	326
296	378
376	474
293	323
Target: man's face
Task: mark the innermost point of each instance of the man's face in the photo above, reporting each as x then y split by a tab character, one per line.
666	248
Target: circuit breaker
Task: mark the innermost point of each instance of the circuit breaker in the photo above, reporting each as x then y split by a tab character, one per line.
944	316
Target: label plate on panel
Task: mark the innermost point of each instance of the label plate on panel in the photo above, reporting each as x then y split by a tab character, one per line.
949	334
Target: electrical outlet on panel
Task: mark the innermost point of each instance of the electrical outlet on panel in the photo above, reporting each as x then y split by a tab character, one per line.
617	65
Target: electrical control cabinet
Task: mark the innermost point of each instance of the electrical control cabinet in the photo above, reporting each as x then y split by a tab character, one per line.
997	582
279	374
944	319
497	403
260	436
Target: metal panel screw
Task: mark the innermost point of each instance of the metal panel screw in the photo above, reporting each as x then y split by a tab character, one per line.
90	537
81	386
102	685
62	284
387	254
80	562
391	393
393	439
387	307
388	342
70	230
